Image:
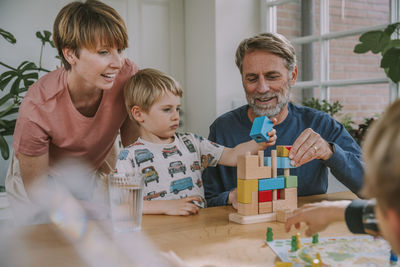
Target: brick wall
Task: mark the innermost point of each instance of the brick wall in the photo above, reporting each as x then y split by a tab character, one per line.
358	101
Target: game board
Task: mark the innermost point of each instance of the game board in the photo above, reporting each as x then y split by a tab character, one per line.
360	250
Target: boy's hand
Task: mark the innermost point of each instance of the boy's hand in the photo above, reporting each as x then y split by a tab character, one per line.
184	206
317	216
271	140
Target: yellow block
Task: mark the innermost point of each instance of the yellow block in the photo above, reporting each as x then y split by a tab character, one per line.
282	151
245	188
283	264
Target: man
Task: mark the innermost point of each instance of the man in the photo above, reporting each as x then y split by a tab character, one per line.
267	63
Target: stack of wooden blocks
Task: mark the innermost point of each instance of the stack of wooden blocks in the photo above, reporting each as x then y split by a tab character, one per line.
262	195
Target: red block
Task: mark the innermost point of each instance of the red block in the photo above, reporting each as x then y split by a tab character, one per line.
265	196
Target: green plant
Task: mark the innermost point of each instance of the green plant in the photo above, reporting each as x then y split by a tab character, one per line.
324	106
357	131
15	82
381	42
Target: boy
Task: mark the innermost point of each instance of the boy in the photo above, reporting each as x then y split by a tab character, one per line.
171	163
382	181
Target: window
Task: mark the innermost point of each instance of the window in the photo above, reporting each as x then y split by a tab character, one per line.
324	33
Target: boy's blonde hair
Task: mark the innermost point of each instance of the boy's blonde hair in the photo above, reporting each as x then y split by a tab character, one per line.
382	157
145	87
87	25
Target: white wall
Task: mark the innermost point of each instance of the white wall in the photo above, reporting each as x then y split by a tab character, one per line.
213	30
236	20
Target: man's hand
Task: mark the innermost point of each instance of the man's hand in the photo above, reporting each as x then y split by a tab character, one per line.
308	146
317	216
232	198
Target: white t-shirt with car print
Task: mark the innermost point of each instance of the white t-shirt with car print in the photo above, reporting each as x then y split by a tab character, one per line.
170	171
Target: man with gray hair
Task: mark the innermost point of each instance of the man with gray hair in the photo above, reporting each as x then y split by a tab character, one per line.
267	63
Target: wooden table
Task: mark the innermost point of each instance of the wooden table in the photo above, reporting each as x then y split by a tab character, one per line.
206	239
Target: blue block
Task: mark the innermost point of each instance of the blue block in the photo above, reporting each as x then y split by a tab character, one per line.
267	161
271	183
283	163
259	131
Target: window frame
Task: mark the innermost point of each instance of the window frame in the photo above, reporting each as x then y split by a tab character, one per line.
269	24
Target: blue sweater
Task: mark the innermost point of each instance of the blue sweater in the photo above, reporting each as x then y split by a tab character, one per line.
233	128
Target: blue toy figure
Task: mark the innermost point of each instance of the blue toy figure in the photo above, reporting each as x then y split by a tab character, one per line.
393	258
259	131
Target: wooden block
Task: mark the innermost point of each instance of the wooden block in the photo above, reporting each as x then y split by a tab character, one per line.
271	183
274	163
265	207
248	168
283	151
264	196
261	158
284	204
283	163
290	181
275	194
282	215
260	128
288	193
245	188
283	264
286	172
251	208
242	219
288	200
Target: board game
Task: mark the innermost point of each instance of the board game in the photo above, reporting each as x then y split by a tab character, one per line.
343	251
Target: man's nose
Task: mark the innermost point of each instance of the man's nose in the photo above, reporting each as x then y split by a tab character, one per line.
263	86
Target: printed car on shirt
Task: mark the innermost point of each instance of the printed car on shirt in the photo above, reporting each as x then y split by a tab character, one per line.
143	155
151	195
150	175
169	151
175	167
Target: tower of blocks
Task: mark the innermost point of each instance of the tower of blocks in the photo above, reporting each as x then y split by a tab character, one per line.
262	195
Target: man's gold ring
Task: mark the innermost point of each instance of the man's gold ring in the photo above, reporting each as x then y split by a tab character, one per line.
315	149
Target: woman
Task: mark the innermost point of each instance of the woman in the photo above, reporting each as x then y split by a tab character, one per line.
75	111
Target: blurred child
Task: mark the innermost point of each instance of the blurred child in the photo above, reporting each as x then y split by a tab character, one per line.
171	163
382	182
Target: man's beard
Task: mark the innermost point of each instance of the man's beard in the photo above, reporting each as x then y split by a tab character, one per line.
268	110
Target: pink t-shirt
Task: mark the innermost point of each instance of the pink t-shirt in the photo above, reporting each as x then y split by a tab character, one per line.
49	122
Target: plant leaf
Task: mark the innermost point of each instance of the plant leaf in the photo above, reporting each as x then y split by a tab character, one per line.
391	61
5	150
374	41
8	36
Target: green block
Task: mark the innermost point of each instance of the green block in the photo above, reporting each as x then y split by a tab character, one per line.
290	181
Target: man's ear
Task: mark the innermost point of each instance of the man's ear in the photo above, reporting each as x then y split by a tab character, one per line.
69	55
137	114
294	76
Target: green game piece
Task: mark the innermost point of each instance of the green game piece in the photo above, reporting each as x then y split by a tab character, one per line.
294	244
315	239
269	234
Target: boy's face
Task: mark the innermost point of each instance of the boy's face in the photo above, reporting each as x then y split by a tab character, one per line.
389	226
162	120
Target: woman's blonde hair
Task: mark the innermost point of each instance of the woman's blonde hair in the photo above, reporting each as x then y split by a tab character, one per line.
88	25
145	87
382	159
